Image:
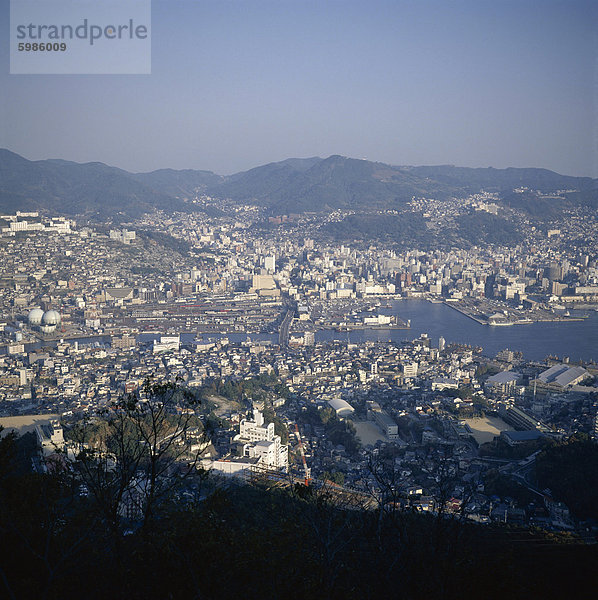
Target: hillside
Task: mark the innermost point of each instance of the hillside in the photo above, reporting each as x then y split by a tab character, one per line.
341	182
334	182
222	541
175	183
291	186
410	228
91	189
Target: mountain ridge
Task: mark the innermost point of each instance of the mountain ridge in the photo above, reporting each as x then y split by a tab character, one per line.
293	185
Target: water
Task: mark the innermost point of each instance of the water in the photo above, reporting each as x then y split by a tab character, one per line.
576	339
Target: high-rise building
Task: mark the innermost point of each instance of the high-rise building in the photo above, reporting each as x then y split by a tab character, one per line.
270	263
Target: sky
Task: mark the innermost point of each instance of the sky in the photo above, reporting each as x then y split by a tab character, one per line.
239	83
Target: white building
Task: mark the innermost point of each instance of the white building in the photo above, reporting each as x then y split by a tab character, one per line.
341	407
378	320
122	235
270	263
563	376
410	369
258	440
504	381
167	343
50	436
386	424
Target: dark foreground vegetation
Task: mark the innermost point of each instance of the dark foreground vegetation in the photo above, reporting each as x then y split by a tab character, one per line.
249	541
570	471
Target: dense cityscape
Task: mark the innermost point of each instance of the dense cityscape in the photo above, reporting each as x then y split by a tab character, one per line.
298	300
254	314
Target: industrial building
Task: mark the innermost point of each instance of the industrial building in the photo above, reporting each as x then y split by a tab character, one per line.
562	376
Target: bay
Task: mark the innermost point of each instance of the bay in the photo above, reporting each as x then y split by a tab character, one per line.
576	339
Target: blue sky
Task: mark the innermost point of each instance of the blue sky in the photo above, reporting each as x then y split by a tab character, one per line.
236	84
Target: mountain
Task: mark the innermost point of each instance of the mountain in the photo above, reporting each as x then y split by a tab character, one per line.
92	189
341	182
294	185
180	184
334	182
410	228
500	180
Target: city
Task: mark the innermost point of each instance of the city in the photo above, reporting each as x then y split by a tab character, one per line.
89	312
298	300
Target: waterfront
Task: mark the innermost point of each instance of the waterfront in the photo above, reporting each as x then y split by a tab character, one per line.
576	339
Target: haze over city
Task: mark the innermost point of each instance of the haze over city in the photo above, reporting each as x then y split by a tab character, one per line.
238	84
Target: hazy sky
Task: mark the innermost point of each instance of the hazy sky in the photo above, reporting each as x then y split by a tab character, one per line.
236	84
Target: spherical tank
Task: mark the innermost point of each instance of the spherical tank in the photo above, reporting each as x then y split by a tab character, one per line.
51	317
35	316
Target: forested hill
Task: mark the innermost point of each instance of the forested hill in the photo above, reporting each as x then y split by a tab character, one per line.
92	189
341	182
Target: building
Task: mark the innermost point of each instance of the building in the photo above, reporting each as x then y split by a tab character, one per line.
270	263
167	343
309	338
50	436
32	221
256	439
122	235
562	376
235	466
410	370
513	438
386	424
506	355
263	282
46	427
123	342
382	419
503	382
118	295
264	285
341	407
517	418
444	383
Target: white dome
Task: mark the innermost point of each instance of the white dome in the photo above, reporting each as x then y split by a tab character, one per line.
35	316
51	317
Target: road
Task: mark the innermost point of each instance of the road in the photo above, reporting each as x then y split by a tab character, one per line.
522	472
285	326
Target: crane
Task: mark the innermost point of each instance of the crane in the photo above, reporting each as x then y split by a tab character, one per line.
306	469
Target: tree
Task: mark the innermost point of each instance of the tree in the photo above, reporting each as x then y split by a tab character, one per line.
142	450
41	526
570	471
335	477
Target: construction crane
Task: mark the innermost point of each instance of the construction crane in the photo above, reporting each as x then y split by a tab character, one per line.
306	469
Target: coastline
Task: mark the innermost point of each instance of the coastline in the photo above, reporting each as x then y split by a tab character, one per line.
508	323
